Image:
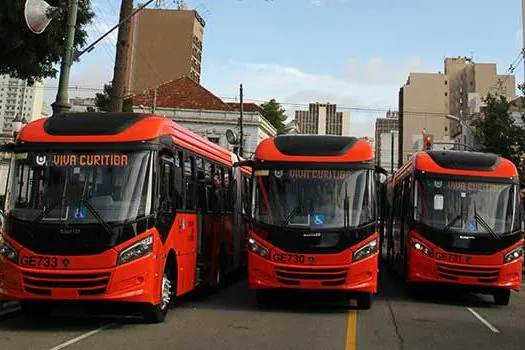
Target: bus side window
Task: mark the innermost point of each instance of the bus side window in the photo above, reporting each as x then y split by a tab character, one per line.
189	182
178	182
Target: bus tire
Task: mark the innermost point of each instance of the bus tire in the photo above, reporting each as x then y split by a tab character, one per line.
264	297
502	297
364	301
35	310
157	313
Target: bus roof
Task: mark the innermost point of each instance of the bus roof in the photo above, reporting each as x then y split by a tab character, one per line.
90	127
463	163
314	148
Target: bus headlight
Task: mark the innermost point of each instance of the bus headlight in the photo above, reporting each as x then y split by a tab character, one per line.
257	248
136	250
514	254
7	251
365	251
420	247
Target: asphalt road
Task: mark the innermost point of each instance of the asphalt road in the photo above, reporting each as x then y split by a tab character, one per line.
231	319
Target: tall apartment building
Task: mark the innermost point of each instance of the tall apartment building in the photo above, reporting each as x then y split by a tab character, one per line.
18	98
165	45
323	119
427	99
384	129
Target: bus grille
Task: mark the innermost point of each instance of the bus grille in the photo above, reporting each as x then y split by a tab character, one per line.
85	284
454	272
327	276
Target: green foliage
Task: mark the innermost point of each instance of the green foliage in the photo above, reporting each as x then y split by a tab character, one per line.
499	134
30	56
102	100
274	113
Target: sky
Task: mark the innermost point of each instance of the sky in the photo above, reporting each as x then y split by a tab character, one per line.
354	53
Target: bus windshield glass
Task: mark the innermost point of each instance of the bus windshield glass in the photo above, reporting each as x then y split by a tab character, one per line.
314	198
81	187
472	207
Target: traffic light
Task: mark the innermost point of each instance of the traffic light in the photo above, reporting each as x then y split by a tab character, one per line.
427	142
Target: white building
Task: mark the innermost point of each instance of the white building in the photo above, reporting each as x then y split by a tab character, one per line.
388	162
80	104
18	98
197	109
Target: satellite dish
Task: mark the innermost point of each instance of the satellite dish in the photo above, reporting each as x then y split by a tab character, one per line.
231	137
38	14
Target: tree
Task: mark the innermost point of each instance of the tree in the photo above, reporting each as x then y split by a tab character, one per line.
29	56
274	113
498	132
103	100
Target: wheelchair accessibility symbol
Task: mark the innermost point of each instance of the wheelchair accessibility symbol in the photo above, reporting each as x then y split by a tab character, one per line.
79	213
471	224
318	219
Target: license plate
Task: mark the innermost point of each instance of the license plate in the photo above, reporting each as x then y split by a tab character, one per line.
39	261
289	258
453	258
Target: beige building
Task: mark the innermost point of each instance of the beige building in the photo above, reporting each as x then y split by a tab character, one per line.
427	99
323	119
423	105
164	45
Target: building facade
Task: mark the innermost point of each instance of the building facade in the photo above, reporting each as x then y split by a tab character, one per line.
431	103
165	44
17	98
197	109
385	126
81	104
323	119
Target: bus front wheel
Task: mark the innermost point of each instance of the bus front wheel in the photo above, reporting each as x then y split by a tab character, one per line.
502	297
364	301
157	313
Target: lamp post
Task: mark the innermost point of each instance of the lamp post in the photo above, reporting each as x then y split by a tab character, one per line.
392	133
464	125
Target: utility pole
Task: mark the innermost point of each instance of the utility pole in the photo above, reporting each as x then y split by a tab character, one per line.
121	57
154	104
241	138
61	103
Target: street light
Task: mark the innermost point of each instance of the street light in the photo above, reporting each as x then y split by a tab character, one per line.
464	124
392	133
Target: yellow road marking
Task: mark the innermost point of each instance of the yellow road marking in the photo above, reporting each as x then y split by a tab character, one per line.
351	331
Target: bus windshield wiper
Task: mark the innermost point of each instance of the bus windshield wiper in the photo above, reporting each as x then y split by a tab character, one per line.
290	215
452	222
93	211
485	225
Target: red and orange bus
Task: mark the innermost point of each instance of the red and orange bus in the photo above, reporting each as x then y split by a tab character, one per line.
313	223
118	207
455	219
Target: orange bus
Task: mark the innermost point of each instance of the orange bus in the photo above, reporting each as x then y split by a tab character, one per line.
455	219
118	207
313	223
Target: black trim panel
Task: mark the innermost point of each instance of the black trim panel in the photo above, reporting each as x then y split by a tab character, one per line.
314	145
309	165
465	160
481	245
465	178
76	124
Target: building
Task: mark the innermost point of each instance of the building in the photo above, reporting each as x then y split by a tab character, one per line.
432	103
18	98
165	44
388	152
423	107
197	109
386	126
469	84
323	119
80	104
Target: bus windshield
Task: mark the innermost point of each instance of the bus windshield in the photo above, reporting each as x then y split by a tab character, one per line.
314	198
471	207
80	187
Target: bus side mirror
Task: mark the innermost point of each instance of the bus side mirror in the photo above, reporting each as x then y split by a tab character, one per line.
248	163
2	220
381	170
